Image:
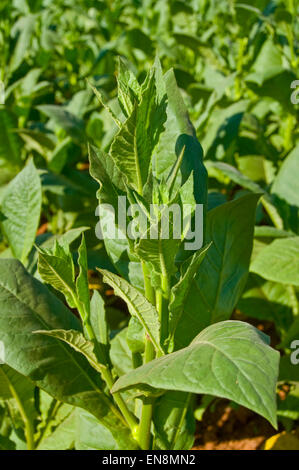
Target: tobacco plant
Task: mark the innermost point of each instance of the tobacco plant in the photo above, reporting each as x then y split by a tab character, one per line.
138	385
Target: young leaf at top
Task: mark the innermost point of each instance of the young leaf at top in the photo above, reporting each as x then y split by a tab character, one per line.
134	144
180	291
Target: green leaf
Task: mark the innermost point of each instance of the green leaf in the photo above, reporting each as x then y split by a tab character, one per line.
98	321
10	148
161	252
120	353
129	90
138	305
286	182
292	334
6	444
106	173
238	178
25	26
136	336
230	359
223	272
15	386
26	306
56	268
21	205
279	261
78	342
174	421
92	435
134	144
180	134
269	301
62	437
181	289
102	102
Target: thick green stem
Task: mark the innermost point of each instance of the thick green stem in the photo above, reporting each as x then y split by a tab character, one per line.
180	417
148	289
144	434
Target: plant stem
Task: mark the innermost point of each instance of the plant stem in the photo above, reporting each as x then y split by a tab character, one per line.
107	377
129	417
144	434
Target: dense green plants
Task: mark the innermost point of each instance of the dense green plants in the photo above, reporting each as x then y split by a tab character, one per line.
234	64
131	382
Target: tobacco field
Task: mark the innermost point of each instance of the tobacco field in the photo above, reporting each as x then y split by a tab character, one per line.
116	116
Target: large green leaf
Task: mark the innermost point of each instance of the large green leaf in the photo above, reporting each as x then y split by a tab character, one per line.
286	182
78	342
62	437
230	359
106	173
223	272
21	205
138	305
56	268
28	306
279	261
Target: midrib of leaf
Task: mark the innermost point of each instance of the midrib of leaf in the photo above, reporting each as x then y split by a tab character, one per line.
61	345
23	413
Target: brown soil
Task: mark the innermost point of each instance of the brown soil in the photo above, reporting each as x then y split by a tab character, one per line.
226	428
